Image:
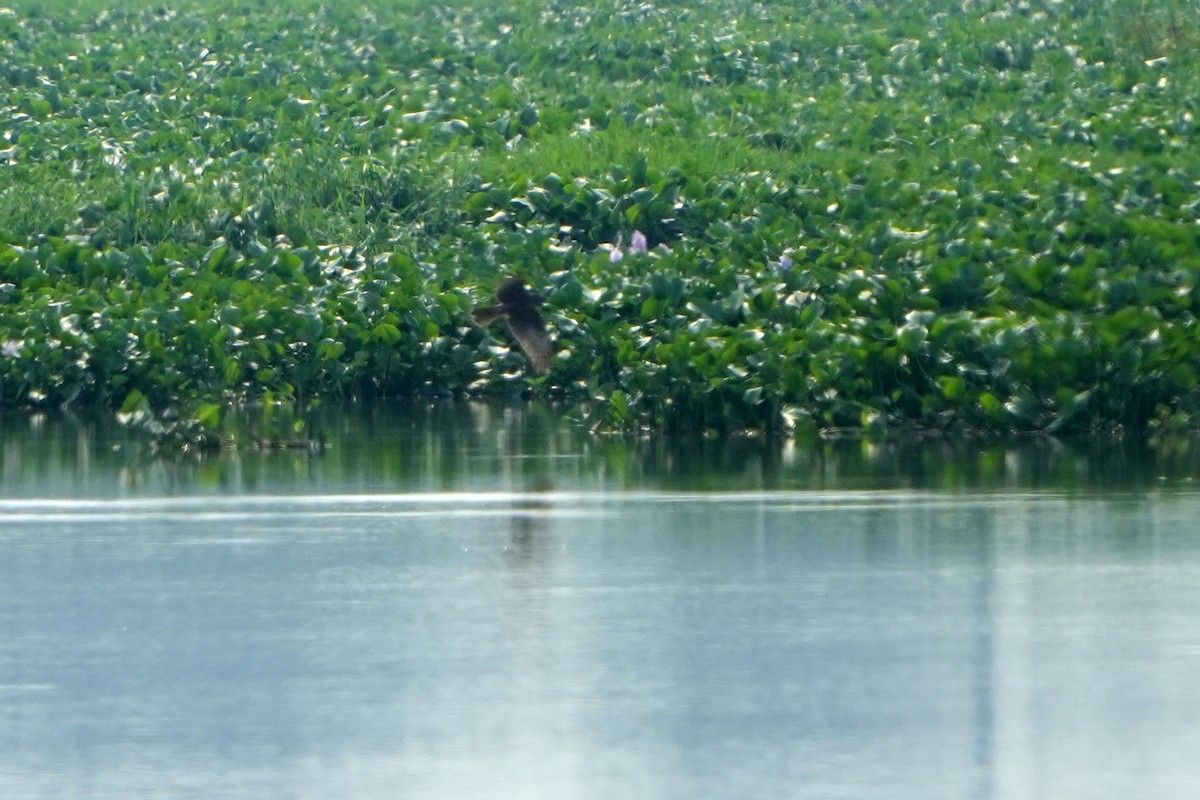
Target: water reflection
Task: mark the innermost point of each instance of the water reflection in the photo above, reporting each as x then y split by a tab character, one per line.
471	601
592	644
452	446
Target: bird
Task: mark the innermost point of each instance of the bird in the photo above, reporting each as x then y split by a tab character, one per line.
518	306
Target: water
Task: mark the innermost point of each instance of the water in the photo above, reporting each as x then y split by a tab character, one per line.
474	602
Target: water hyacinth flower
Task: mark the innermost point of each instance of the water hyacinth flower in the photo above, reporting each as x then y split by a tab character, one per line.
617	253
637	244
10	348
785	261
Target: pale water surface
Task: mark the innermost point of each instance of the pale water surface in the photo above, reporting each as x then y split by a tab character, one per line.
471	602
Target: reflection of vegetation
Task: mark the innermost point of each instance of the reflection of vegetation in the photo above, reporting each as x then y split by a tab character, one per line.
534	448
940	214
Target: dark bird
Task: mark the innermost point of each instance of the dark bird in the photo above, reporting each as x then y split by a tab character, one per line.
518	306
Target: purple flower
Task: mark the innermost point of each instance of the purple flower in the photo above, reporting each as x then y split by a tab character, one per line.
616	255
637	244
10	348
785	261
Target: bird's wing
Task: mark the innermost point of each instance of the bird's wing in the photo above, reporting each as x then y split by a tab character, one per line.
486	315
530	332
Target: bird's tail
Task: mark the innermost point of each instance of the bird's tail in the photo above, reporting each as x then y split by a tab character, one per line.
485	315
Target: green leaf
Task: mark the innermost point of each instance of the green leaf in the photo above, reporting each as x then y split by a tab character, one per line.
991	405
387	333
209	415
911	338
953	387
217	257
134	401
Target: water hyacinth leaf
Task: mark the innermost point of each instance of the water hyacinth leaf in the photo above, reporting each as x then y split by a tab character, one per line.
134	401
991	405
209	415
953	387
617	411
478	204
216	258
911	337
311	329
387	333
667	287
569	294
330	350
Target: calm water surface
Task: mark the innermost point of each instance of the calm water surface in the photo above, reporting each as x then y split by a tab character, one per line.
470	602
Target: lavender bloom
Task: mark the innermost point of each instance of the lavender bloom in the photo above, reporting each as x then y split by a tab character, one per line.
637	244
10	348
785	261
617	253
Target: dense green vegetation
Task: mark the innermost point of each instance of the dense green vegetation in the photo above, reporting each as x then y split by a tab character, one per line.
950	215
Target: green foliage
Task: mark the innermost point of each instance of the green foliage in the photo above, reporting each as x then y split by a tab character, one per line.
945	216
